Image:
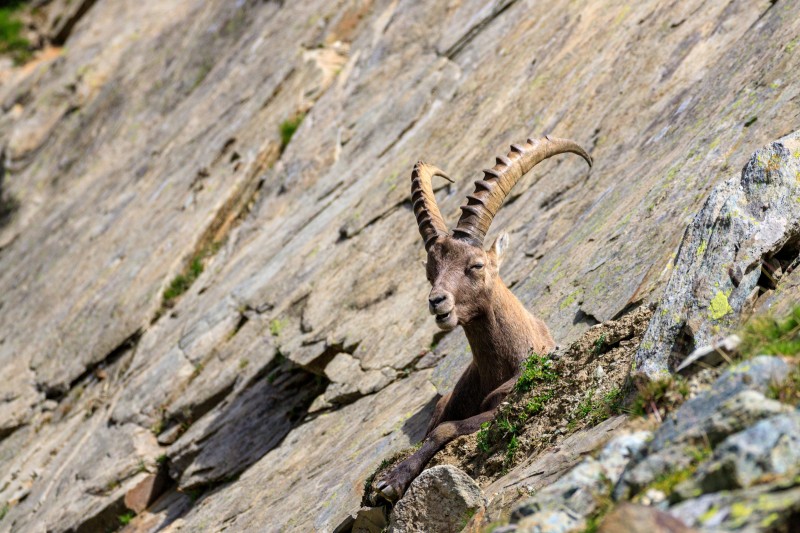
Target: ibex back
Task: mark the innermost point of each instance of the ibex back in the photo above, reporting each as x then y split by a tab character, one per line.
467	291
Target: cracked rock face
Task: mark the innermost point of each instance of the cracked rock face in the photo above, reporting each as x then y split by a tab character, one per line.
156	144
738	246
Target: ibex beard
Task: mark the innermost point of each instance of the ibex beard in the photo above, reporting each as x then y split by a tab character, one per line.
466	290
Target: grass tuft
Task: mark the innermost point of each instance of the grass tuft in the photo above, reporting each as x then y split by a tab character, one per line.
181	283
662	395
536	369
288	128
125	519
12	42
770	336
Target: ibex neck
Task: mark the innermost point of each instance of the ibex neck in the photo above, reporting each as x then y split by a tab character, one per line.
503	335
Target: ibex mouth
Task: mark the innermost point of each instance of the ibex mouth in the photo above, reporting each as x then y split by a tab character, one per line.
443	317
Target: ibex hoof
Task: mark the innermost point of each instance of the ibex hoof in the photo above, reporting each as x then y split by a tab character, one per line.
388	491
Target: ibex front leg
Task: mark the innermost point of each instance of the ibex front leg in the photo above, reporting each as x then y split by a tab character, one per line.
393	486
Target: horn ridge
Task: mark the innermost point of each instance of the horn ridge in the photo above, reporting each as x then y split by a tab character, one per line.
490	193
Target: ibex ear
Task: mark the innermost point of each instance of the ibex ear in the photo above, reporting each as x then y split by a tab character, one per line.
500	246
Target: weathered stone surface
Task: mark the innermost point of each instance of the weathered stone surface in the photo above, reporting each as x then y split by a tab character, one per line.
242	429
441	499
147	491
770	507
725	407
564	505
712	354
706	422
767	450
370	520
336	470
748	225
567	504
640	519
153	139
546	468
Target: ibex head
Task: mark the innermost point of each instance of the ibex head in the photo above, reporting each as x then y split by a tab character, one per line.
463	275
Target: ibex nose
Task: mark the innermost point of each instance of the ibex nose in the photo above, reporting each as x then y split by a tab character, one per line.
437	299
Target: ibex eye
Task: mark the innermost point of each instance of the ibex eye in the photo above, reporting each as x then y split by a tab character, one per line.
476	266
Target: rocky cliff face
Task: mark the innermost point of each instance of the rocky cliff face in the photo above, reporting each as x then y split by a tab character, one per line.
189	292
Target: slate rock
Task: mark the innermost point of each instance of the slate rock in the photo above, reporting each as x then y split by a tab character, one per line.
679	448
705	413
770	507
767	450
566	504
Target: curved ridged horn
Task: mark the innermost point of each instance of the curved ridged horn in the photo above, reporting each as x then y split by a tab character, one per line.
429	219
491	191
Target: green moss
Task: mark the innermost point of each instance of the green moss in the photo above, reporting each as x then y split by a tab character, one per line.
536	369
667	482
11	40
599	344
125	519
791	45
702	249
511	449
708	515
467	517
3	511
288	128
740	510
276	325
719	306
570	299
483	439
536	404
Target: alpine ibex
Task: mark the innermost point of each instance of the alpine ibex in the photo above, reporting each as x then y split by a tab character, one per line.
467	291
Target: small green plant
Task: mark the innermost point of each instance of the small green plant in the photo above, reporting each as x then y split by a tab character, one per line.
161	459
599	344
511	449
586	405
276	325
288	127
667	481
536	369
507	426
3	511
788	390
181	283
653	396
11	40
482	437
125	519
158	427
243	363
536	404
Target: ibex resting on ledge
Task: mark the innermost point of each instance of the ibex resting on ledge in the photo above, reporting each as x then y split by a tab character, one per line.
467	291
